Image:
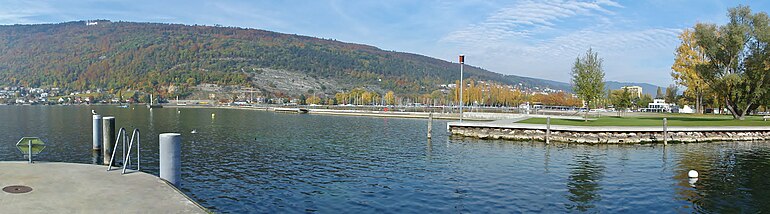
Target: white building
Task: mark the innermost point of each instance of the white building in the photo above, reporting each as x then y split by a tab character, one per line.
686	110
660	105
634	90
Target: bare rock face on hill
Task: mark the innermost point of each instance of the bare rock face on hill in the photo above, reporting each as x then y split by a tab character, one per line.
268	82
292	83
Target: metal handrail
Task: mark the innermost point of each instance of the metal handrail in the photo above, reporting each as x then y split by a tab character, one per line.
122	131
135	136
127	160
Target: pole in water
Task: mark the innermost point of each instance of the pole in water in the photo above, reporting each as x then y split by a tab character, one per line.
548	130
108	136
462	62
29	143
170	157
665	131
430	124
97	132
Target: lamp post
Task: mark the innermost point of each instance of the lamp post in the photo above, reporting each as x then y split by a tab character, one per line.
462	61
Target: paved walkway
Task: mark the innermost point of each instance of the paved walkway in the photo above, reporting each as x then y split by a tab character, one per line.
83	188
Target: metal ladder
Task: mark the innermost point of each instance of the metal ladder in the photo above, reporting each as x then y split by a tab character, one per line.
126	154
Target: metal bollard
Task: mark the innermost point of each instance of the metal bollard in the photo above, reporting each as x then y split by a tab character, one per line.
170	158
430	124
665	131
108	136
548	130
29	144
97	131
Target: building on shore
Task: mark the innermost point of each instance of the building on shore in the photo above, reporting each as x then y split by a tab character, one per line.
660	105
634	90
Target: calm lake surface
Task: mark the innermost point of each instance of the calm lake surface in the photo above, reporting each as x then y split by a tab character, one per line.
243	161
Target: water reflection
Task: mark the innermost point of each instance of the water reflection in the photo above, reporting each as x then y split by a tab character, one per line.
96	157
583	183
732	179
261	162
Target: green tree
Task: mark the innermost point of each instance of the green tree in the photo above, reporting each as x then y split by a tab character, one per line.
302	99
588	78
737	52
436	97
621	99
671	92
644	100
659	93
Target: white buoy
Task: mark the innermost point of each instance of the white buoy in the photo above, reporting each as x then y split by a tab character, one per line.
212	115
692	174
177	111
194	131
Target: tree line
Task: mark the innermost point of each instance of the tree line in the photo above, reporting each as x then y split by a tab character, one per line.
728	63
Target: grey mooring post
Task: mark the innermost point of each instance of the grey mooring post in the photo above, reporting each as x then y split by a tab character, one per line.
430	124
29	144
665	131
108	137
170	158
97	130
547	130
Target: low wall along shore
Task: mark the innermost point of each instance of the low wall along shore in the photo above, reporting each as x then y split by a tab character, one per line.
594	135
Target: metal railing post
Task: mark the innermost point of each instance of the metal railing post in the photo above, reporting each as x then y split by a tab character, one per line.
115	147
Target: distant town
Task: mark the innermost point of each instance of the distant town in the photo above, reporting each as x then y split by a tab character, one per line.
531	98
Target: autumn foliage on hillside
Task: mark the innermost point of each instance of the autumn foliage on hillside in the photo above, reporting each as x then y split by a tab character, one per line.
150	57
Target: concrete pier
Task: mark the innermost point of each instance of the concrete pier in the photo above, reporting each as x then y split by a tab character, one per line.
84	188
607	134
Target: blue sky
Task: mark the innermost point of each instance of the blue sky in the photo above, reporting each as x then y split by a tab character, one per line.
527	38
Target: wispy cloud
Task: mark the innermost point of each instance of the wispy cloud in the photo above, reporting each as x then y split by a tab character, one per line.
542	38
610	41
526	19
18	12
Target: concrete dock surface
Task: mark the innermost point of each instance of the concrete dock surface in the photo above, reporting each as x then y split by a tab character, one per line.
85	188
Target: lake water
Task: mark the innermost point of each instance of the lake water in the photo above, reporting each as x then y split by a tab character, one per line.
244	161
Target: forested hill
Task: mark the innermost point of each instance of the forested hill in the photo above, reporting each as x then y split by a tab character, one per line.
151	56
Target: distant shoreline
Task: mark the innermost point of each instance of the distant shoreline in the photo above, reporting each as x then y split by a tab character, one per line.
341	112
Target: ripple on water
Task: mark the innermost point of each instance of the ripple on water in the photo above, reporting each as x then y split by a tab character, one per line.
261	162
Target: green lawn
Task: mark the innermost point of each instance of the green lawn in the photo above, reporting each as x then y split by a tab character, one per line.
673	120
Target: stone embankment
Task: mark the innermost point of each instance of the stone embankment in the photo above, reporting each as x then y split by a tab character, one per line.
608	134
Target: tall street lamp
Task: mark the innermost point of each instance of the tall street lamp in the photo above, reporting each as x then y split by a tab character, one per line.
462	61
